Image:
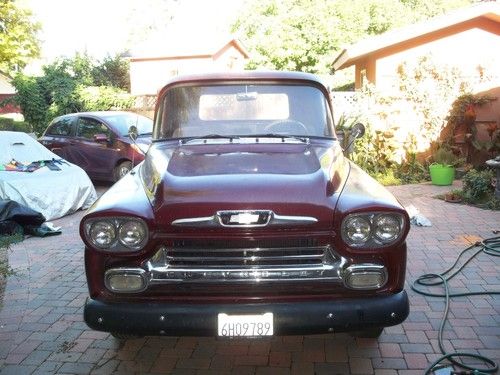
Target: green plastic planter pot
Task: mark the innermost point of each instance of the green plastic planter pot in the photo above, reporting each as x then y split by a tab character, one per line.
442	174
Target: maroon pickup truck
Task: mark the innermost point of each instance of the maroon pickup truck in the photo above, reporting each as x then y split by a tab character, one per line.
245	219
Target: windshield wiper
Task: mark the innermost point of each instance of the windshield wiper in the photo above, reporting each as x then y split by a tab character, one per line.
209	136
282	136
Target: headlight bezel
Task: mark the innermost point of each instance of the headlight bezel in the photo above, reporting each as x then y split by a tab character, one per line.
373	241
117	245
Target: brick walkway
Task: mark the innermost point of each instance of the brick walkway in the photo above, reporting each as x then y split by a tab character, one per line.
41	327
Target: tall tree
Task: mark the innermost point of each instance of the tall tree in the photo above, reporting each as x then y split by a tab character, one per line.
18	37
304	35
113	71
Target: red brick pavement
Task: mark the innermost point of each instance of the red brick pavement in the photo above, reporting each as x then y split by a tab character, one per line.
41	327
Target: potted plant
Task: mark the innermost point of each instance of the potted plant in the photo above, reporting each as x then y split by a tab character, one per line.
442	170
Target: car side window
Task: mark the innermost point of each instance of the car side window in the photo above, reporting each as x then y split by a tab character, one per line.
60	127
89	127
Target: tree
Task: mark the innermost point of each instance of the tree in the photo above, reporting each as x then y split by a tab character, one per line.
72	85
305	35
18	37
113	71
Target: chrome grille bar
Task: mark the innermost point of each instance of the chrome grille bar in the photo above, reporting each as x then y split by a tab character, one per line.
195	264
251	258
245	257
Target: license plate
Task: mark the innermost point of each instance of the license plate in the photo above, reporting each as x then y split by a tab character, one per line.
245	325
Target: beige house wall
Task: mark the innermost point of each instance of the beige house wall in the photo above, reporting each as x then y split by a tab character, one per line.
471	51
149	75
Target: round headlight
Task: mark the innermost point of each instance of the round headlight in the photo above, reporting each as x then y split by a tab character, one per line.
132	233
357	229
386	228
102	234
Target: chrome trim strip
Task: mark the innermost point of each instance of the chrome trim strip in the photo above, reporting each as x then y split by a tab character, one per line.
282	220
166	275
195	221
216	220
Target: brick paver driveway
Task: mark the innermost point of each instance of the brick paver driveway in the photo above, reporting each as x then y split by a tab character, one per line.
41	327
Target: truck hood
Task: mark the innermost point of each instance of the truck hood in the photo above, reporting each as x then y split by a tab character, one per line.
188	185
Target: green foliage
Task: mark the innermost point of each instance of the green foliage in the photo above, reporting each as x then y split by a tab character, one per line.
18	37
113	71
492	145
388	178
375	151
5	242
460	105
14	126
493	204
477	186
411	171
303	35
478	189
103	98
72	85
445	156
429	89
32	101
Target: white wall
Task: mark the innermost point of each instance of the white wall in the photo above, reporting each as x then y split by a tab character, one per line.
5	86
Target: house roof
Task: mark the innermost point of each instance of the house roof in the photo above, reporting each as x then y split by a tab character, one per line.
357	51
160	50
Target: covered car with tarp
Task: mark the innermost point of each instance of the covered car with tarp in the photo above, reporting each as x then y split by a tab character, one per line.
35	177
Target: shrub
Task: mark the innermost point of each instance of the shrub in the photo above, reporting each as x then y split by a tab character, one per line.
72	85
15	126
104	98
388	178
477	186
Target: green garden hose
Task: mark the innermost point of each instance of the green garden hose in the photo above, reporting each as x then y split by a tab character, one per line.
489	246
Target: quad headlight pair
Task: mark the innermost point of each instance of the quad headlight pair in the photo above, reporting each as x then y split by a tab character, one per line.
372	229
117	234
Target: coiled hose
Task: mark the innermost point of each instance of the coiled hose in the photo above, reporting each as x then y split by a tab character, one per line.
489	246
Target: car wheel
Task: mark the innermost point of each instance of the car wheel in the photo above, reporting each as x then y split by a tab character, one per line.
370	333
124	336
122	169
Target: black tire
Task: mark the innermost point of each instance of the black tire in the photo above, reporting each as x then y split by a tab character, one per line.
121	170
369	333
124	336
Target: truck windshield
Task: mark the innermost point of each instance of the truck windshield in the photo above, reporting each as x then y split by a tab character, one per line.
243	110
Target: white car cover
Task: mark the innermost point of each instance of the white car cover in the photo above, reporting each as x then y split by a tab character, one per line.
52	193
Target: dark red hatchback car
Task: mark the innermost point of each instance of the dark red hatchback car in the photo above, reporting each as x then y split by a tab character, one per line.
99	142
245	219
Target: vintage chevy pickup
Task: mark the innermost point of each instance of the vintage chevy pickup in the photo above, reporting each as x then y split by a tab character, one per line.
245	219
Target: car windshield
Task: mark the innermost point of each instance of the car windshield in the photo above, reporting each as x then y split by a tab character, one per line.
243	110
123	121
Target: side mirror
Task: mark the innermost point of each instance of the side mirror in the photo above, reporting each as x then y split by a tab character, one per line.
133	133
101	138
357	130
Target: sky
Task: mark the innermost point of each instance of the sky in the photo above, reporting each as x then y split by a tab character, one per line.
102	27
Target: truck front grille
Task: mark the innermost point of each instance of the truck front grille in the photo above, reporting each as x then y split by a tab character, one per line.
264	260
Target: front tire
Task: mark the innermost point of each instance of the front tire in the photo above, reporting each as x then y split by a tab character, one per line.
121	170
